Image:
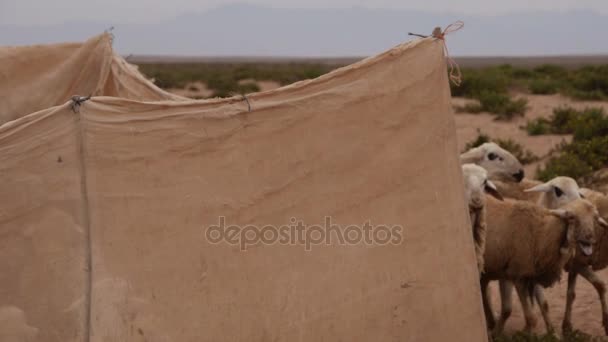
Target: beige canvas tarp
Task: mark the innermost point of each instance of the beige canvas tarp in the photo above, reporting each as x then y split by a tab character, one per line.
105	214
37	77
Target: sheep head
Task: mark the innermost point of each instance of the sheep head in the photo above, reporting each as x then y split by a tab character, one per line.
476	184
581	217
557	192
499	163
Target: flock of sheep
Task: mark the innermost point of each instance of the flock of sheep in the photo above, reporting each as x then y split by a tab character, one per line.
527	232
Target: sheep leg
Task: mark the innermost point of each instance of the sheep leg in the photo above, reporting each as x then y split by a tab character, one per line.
570	295
600	287
526	306
487	308
544	308
506	291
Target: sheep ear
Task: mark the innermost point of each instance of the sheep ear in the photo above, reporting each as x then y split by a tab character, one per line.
471	156
562	213
490	188
603	222
540	188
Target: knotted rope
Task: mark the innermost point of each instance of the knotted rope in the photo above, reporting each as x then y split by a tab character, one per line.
109	32
454	73
77	101
248	104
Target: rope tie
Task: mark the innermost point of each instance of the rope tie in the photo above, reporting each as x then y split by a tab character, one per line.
454	74
248	104
77	101
109	31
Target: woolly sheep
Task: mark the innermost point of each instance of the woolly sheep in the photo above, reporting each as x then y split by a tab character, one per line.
529	244
500	164
551	195
585	265
476	184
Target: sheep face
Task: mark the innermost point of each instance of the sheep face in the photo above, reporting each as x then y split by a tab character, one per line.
557	192
476	184
581	216
499	163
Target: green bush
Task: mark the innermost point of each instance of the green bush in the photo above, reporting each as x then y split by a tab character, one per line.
474	82
543	86
539	126
223	78
589	83
561	120
583	125
589	124
587	151
552	71
502	105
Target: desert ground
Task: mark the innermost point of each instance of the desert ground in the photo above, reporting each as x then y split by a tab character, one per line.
587	311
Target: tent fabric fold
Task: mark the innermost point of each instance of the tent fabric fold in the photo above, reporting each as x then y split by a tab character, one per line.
37	77
133	187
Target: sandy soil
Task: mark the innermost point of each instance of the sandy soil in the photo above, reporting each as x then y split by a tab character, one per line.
586	311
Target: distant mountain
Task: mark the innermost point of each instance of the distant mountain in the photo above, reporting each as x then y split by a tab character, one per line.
246	30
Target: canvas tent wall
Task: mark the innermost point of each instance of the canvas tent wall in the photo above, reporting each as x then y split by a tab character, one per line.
104	214
37	77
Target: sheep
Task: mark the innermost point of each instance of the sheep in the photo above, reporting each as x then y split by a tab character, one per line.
551	195
585	265
475	184
528	244
500	164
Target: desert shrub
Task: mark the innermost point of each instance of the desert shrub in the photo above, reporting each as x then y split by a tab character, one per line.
502	105
589	124
543	86
567	120
538	126
248	87
589	83
576	159
586	83
587	151
525	156
561	120
549	70
475	82
223	78
499	104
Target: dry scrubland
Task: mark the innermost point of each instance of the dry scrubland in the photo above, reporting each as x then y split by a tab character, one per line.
553	117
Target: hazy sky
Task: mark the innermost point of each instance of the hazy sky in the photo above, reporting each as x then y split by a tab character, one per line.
44	12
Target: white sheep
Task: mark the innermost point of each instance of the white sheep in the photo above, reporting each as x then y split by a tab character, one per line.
500	163
528	244
585	265
476	184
